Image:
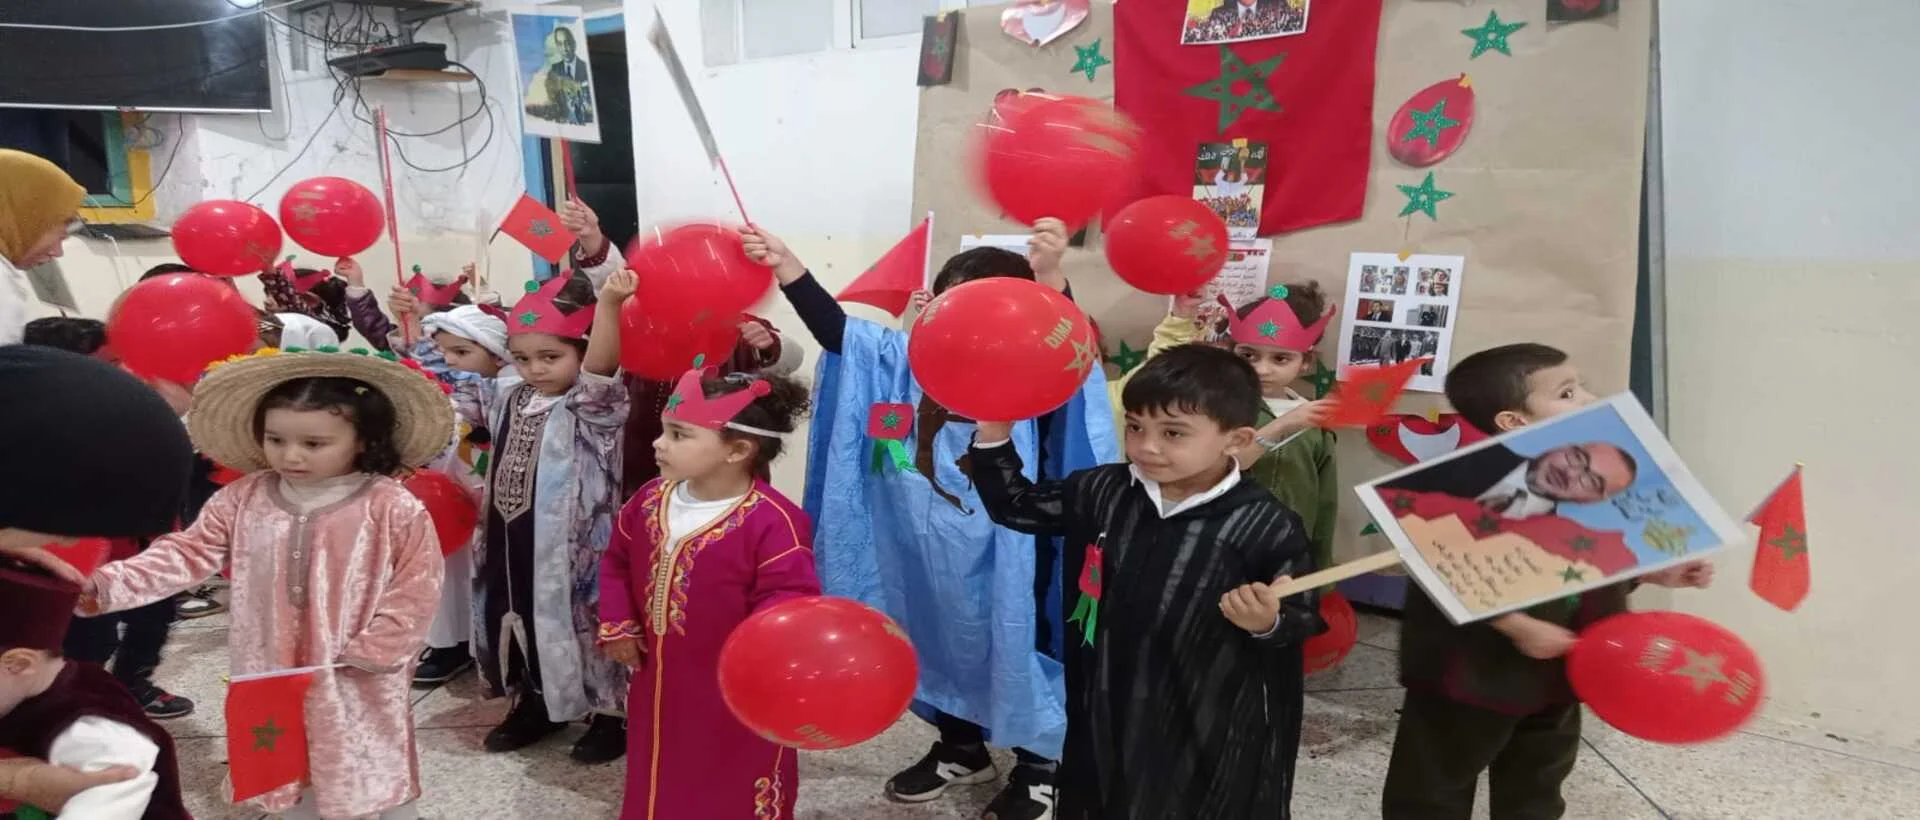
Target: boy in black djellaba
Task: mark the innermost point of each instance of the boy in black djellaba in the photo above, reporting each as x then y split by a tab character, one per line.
1184	677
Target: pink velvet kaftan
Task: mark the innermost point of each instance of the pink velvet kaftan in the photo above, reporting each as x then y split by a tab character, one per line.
687	756
355	582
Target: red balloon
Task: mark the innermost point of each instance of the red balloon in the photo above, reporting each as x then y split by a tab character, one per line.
172	327
1167	244
1327	649
226	238
1001	349
1064	157
817	672
694	273
332	216
451	505
663	351
1667	677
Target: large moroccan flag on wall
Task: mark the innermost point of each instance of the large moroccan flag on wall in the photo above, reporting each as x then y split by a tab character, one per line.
1307	96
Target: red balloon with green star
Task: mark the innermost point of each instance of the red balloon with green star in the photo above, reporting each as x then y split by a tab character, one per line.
1001	349
1432	125
1167	244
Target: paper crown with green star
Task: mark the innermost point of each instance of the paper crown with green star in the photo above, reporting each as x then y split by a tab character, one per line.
537	312
1272	323
689	403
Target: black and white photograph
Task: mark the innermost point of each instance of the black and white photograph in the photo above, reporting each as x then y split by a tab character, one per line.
1388	330
1392	345
1402	276
1427	315
1373	310
1433	282
1371	280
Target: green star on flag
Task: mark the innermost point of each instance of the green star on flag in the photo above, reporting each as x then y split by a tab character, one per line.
1128	358
891	420
540	228
1427	125
1570	575
1487	524
1088	60
1492	35
1401	504
1423	197
1235	70
266	735
1580	543
1791	542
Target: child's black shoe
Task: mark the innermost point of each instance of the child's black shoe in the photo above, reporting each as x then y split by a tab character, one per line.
437	666
1028	796
604	742
943	766
526	725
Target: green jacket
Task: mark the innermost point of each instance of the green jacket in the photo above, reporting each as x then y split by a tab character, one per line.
1302	475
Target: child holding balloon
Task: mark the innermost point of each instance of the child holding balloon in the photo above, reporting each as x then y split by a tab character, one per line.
335	565
694	553
1494	695
552	492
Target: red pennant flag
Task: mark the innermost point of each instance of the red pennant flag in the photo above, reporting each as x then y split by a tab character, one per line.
267	731
1781	570
890	283
1303	100
538	227
1368	394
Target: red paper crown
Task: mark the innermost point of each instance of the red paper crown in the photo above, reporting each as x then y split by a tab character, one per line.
536	312
689	402
434	293
302	282
1273	324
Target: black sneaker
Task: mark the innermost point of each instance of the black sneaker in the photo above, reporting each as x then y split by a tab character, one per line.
160	705
943	766
604	742
437	666
199	604
1028	796
526	725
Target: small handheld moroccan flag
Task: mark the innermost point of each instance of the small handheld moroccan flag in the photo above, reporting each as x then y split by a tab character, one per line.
1782	573
267	731
538	227
890	283
1086	612
1368	393
888	425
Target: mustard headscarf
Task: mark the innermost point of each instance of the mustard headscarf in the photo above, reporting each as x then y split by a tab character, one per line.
35	196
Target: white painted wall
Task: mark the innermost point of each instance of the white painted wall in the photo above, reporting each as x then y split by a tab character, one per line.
443	217
1793	287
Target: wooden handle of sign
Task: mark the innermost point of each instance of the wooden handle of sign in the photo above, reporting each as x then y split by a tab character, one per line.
1372	563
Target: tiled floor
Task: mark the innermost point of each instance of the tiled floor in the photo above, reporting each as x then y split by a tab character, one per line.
1770	771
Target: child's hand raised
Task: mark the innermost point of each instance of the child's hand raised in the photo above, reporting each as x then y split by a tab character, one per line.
991	432
1187	306
757	336
917	301
346	268
575	216
1693	574
1306	416
1254	607
625	652
767	249
620	285
1047	246
402	301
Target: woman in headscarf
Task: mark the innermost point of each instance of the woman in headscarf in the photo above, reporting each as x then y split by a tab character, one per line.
39	205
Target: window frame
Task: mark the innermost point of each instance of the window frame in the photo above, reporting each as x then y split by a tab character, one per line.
130	170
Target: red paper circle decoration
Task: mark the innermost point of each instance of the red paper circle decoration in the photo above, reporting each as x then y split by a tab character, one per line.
1432	125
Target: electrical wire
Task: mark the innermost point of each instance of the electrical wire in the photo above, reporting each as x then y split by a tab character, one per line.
179	136
162	27
339	95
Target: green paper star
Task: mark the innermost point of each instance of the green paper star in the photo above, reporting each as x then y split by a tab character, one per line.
531	286
1427	125
1791	544
1570	575
674	401
1322	379
1580	543
1235	70
1088	60
1370	529
1278	291
528	318
890	421
1492	35
1269	328
267	736
1128	358
1423	197
480	465
699	360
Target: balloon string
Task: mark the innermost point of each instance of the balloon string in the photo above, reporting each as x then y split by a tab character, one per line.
722	162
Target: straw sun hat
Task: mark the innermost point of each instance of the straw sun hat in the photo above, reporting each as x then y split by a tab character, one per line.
224	401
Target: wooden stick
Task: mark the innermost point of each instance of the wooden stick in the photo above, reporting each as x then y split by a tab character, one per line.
1372	563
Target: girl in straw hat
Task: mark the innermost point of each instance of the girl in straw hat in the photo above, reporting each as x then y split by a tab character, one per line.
335	565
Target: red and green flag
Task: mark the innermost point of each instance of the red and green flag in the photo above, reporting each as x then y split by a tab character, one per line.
267	731
538	228
1367	394
1782	573
890	283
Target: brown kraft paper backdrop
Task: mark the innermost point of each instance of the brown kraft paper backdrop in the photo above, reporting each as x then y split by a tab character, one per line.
1546	203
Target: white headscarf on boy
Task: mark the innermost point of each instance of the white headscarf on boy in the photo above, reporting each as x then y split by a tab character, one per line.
305	332
471	323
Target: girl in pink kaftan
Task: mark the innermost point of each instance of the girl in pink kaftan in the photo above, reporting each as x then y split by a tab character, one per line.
334	563
694	553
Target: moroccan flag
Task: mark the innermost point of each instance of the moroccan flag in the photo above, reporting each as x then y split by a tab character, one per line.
86	554
1307	97
891	281
538	227
1368	393
267	730
1781	571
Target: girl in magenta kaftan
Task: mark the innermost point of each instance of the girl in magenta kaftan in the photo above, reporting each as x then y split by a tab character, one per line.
693	554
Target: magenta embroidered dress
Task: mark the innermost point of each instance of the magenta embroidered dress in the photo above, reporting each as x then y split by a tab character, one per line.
687	757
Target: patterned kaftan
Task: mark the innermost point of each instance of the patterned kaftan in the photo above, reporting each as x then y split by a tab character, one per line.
353	582
551	495
687	756
1172	712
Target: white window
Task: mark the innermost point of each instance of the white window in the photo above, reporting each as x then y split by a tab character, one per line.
877	19
779	28
733	31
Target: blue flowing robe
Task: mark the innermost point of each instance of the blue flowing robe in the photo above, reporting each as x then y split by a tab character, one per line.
961	586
